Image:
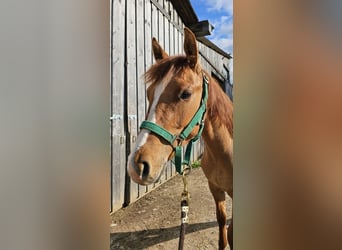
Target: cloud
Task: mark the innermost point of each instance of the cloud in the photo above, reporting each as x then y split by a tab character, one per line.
222	35
224	43
220	14
220	5
223	25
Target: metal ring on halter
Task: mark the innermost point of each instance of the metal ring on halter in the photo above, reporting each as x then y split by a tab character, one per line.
186	170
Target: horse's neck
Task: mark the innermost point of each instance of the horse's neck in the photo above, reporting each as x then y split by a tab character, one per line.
217	139
217	160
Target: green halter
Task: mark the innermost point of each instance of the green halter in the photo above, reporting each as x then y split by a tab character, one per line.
197	119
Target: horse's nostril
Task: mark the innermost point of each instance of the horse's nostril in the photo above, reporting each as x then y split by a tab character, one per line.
146	169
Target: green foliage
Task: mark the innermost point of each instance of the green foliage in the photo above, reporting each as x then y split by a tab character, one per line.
196	164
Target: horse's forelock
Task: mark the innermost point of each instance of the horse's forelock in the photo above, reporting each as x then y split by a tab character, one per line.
161	69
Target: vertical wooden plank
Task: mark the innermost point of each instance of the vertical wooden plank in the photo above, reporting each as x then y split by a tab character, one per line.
177	52
118	153
154	24
211	56
180	38
140	60
131	84
206	63
172	32
161	27
218	62
148	47
148	34
140	66
175	41
205	54
167	28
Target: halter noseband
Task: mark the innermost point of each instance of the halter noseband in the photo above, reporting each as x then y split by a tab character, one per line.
197	119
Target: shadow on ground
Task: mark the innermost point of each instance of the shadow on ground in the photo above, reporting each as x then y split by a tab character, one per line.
143	239
147	238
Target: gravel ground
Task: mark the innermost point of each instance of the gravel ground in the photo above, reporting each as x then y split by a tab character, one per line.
153	221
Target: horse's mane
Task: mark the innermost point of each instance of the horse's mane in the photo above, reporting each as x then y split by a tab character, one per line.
219	106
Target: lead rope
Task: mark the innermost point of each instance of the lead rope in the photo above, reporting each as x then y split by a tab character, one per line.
184	209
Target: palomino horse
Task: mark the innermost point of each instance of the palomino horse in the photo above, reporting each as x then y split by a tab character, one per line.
174	94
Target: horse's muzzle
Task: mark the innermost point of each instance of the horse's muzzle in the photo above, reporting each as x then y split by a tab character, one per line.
141	171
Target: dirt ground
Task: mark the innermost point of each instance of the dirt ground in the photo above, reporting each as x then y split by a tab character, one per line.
153	221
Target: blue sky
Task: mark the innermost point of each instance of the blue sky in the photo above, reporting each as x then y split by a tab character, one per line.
220	15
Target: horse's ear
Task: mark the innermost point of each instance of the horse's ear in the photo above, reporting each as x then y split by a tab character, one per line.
190	47
158	51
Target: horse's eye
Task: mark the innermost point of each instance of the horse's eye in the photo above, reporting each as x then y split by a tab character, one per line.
185	95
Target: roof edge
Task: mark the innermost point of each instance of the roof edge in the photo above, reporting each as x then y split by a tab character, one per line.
190	19
213	46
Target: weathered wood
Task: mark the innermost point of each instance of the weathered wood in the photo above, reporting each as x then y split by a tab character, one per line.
161	29
180	38
118	157
176	44
167	29
172	32
148	47
140	69
131	115
154	26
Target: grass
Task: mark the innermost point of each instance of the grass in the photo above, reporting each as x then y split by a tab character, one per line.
196	164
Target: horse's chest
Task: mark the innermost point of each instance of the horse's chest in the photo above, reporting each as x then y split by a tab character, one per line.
219	172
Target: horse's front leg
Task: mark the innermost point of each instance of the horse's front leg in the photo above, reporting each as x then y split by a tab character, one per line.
221	215
230	234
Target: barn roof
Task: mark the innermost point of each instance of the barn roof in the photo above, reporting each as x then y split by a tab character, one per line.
190	19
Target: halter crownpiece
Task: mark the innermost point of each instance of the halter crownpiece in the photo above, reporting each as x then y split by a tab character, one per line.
197	119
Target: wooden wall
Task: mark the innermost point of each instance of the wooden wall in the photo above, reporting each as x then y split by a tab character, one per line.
133	24
215	64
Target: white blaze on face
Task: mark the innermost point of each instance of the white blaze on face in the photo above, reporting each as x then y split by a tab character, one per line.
142	137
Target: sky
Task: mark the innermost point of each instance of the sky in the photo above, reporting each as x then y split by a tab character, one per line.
220	15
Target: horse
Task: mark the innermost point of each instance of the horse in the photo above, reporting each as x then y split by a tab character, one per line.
174	93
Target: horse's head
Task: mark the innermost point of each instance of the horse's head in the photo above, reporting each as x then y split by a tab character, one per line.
174	95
